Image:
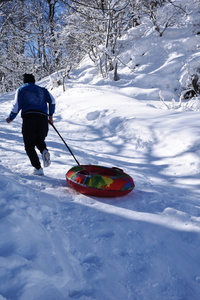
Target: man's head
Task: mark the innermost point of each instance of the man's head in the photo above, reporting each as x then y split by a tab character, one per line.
29	78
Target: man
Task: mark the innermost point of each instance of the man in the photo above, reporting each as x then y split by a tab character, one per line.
37	105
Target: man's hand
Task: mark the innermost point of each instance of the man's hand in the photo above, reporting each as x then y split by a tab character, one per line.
51	119
8	120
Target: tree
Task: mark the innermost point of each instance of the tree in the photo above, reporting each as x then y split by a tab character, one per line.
13	23
28	39
162	13
94	27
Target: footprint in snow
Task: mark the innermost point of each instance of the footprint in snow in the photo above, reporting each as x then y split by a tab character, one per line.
117	123
93	115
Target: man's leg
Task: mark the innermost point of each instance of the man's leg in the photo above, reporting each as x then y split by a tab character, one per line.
42	131
29	136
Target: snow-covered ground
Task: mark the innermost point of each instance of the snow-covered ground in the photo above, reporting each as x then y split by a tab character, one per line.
56	244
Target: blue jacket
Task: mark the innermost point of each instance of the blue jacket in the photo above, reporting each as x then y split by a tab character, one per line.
32	98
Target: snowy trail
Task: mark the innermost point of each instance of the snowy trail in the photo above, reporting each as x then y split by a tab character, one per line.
58	244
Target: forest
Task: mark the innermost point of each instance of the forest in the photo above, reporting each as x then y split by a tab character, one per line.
48	36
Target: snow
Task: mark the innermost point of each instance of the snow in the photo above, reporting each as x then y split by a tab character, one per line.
58	244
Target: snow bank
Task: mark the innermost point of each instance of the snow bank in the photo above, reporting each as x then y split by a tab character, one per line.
58	244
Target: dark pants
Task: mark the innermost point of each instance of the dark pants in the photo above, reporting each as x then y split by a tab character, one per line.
34	130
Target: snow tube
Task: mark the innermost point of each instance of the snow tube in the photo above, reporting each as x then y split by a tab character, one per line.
99	181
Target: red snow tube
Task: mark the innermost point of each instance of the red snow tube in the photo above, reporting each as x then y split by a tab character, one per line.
99	181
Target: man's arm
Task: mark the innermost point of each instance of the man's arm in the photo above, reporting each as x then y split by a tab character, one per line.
52	105
14	110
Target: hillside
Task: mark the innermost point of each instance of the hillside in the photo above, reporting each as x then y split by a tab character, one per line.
57	244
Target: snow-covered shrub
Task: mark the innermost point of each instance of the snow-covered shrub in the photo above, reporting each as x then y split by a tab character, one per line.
190	79
192	104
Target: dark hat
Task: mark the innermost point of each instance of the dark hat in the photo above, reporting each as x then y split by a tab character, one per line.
29	78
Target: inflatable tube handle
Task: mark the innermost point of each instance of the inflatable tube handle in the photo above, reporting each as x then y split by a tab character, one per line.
117	169
84	172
